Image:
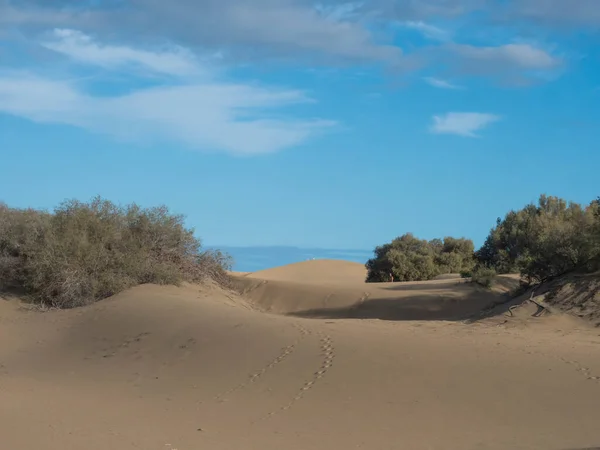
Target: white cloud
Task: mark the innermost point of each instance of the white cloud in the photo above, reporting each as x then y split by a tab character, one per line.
427	30
442	84
247	30
212	116
199	112
461	123
515	64
327	32
523	56
82	48
338	12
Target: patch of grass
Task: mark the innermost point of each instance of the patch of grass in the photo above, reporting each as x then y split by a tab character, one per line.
83	252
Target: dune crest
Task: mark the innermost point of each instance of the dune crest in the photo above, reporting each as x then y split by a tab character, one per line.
316	271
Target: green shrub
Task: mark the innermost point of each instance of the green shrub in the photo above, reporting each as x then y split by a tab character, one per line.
83	252
484	276
408	258
544	241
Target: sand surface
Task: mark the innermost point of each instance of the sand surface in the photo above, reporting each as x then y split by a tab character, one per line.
309	357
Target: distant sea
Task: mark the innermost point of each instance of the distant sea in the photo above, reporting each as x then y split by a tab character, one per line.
252	259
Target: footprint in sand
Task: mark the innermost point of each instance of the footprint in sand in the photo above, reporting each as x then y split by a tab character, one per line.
285	352
328	352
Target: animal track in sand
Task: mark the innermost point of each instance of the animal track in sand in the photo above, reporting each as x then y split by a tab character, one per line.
285	352
188	343
186	348
585	371
328	353
112	350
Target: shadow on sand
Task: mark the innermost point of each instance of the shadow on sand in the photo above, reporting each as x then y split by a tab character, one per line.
418	307
443	285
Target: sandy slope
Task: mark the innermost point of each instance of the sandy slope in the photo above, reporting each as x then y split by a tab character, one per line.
197	367
318	271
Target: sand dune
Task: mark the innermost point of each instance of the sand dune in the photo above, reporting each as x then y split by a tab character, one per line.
336	289
199	367
317	271
446	299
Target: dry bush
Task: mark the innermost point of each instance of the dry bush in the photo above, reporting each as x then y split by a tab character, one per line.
83	252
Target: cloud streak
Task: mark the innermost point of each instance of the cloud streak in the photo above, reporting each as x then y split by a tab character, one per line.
441	84
521	56
262	28
232	118
82	48
513	63
331	33
575	13
462	123
190	107
427	30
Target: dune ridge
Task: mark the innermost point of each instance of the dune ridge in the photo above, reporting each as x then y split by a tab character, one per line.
317	271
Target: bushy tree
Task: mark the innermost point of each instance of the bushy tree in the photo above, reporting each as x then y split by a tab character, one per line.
543	241
455	255
408	258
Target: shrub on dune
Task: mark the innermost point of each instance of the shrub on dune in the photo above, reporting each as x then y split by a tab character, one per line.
408	258
83	252
541	241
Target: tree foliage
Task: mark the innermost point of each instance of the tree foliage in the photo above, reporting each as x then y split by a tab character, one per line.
545	240
408	258
540	241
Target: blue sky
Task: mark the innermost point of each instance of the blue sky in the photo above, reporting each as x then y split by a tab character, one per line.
333	125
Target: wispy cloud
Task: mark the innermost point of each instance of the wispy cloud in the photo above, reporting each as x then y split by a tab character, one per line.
441	84
427	30
248	30
339	12
209	116
326	33
199	112
523	56
462	123
514	63
82	48
578	13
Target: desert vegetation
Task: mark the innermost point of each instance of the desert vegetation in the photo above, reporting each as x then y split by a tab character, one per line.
82	252
408	258
540	241
544	241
